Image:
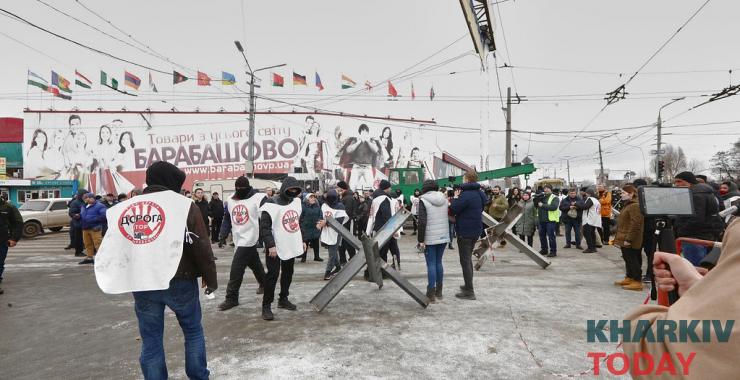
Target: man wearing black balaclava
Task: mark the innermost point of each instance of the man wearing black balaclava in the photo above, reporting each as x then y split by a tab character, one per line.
283	241
241	218
182	296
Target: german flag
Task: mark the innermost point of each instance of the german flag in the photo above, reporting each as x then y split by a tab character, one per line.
298	79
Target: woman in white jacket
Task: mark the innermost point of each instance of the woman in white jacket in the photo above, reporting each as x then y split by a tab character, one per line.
433	235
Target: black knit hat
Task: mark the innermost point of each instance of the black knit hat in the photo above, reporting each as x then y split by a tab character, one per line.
342	185
242	182
384	184
429	185
688	177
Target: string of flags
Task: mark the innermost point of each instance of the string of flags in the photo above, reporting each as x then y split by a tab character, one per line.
61	87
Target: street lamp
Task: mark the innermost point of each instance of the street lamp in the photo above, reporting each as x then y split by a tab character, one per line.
601	158
660	125
252	105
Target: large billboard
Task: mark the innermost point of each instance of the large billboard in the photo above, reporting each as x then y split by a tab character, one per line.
109	152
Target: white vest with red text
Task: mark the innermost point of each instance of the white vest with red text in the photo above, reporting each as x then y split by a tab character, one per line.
592	216
374	207
286	228
143	245
328	235
245	217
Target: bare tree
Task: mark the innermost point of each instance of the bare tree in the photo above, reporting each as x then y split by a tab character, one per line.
726	163
696	166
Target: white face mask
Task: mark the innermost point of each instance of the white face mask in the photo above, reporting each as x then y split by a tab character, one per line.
626	196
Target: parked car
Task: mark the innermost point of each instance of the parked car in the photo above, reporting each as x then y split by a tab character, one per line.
48	213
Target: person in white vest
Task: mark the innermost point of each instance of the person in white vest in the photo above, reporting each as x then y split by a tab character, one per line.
591	218
382	209
414	199
329	237
241	219
156	247
434	234
280	231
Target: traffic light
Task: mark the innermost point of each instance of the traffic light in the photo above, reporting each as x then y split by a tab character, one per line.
661	169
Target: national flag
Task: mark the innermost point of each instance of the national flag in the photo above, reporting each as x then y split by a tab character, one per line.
347	82
298	79
227	79
413	93
152	86
37	81
318	82
178	78
368	85
277	80
104	81
392	90
203	79
431	93
82	80
131	80
61	83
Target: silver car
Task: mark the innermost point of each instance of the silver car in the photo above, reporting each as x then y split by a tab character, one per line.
48	213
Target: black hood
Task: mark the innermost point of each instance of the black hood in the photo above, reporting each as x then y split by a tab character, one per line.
164	174
331	198
702	188
289	183
379	192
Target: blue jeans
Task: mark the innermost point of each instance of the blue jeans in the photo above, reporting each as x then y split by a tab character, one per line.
547	233
452	232
333	257
433	255
694	253
3	255
182	298
575	225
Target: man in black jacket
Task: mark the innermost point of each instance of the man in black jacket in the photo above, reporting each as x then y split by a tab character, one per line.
200	200
11	227
216	212
348	201
182	297
289	190
75	222
244	255
703	224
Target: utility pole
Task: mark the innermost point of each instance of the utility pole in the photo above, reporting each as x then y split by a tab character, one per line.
660	126
252	105
508	134
568	166
601	165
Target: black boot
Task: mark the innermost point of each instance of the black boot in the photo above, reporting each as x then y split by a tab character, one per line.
327	276
430	295
267	313
283	303
228	304
466	295
335	270
260	290
438	291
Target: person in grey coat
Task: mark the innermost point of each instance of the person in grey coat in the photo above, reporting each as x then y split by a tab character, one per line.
527	223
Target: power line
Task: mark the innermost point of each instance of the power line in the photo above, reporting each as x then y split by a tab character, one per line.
506	46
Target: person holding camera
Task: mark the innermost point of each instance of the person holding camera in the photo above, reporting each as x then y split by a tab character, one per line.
571	209
548	217
629	239
703	298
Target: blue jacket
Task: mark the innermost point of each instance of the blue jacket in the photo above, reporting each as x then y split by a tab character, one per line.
93	216
468	209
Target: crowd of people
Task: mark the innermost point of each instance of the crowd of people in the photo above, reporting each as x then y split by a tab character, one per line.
284	224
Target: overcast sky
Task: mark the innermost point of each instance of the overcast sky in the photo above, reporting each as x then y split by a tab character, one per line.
586	43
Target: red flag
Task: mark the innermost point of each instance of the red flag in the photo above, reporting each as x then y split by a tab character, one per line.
413	93
203	79
392	90
277	80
